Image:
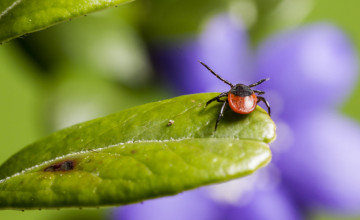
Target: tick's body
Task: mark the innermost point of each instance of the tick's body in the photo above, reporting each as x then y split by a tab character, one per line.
241	98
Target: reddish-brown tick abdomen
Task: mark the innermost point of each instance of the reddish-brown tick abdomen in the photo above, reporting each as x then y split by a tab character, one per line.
242	104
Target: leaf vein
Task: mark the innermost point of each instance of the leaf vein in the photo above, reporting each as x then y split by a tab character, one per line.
6	11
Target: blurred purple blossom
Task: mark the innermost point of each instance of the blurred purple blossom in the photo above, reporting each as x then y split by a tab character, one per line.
315	157
321	169
310	67
222	43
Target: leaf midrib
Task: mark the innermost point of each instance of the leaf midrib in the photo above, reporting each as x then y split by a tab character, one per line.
9	8
111	146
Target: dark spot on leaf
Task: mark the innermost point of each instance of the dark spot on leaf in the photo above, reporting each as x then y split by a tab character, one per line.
62	166
133	151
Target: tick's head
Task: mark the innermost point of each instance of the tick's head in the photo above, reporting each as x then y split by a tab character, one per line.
241	90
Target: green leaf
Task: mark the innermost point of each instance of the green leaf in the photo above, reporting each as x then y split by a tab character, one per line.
137	154
19	17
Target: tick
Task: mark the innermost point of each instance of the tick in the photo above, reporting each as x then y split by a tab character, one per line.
241	98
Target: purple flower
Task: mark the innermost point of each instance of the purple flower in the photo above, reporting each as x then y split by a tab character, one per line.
223	45
312	70
269	204
189	205
310	67
321	168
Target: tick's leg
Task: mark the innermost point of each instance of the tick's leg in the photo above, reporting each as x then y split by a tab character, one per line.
217	98
260	98
219	77
220	114
259	92
257	83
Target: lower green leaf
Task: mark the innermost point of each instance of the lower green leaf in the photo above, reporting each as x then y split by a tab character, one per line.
149	151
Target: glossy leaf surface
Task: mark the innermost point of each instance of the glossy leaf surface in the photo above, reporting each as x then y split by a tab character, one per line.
19	17
137	154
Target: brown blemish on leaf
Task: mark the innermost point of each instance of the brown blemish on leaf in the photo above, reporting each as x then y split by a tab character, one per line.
133	151
61	166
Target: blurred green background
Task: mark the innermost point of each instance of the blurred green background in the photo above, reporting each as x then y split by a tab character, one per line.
96	65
